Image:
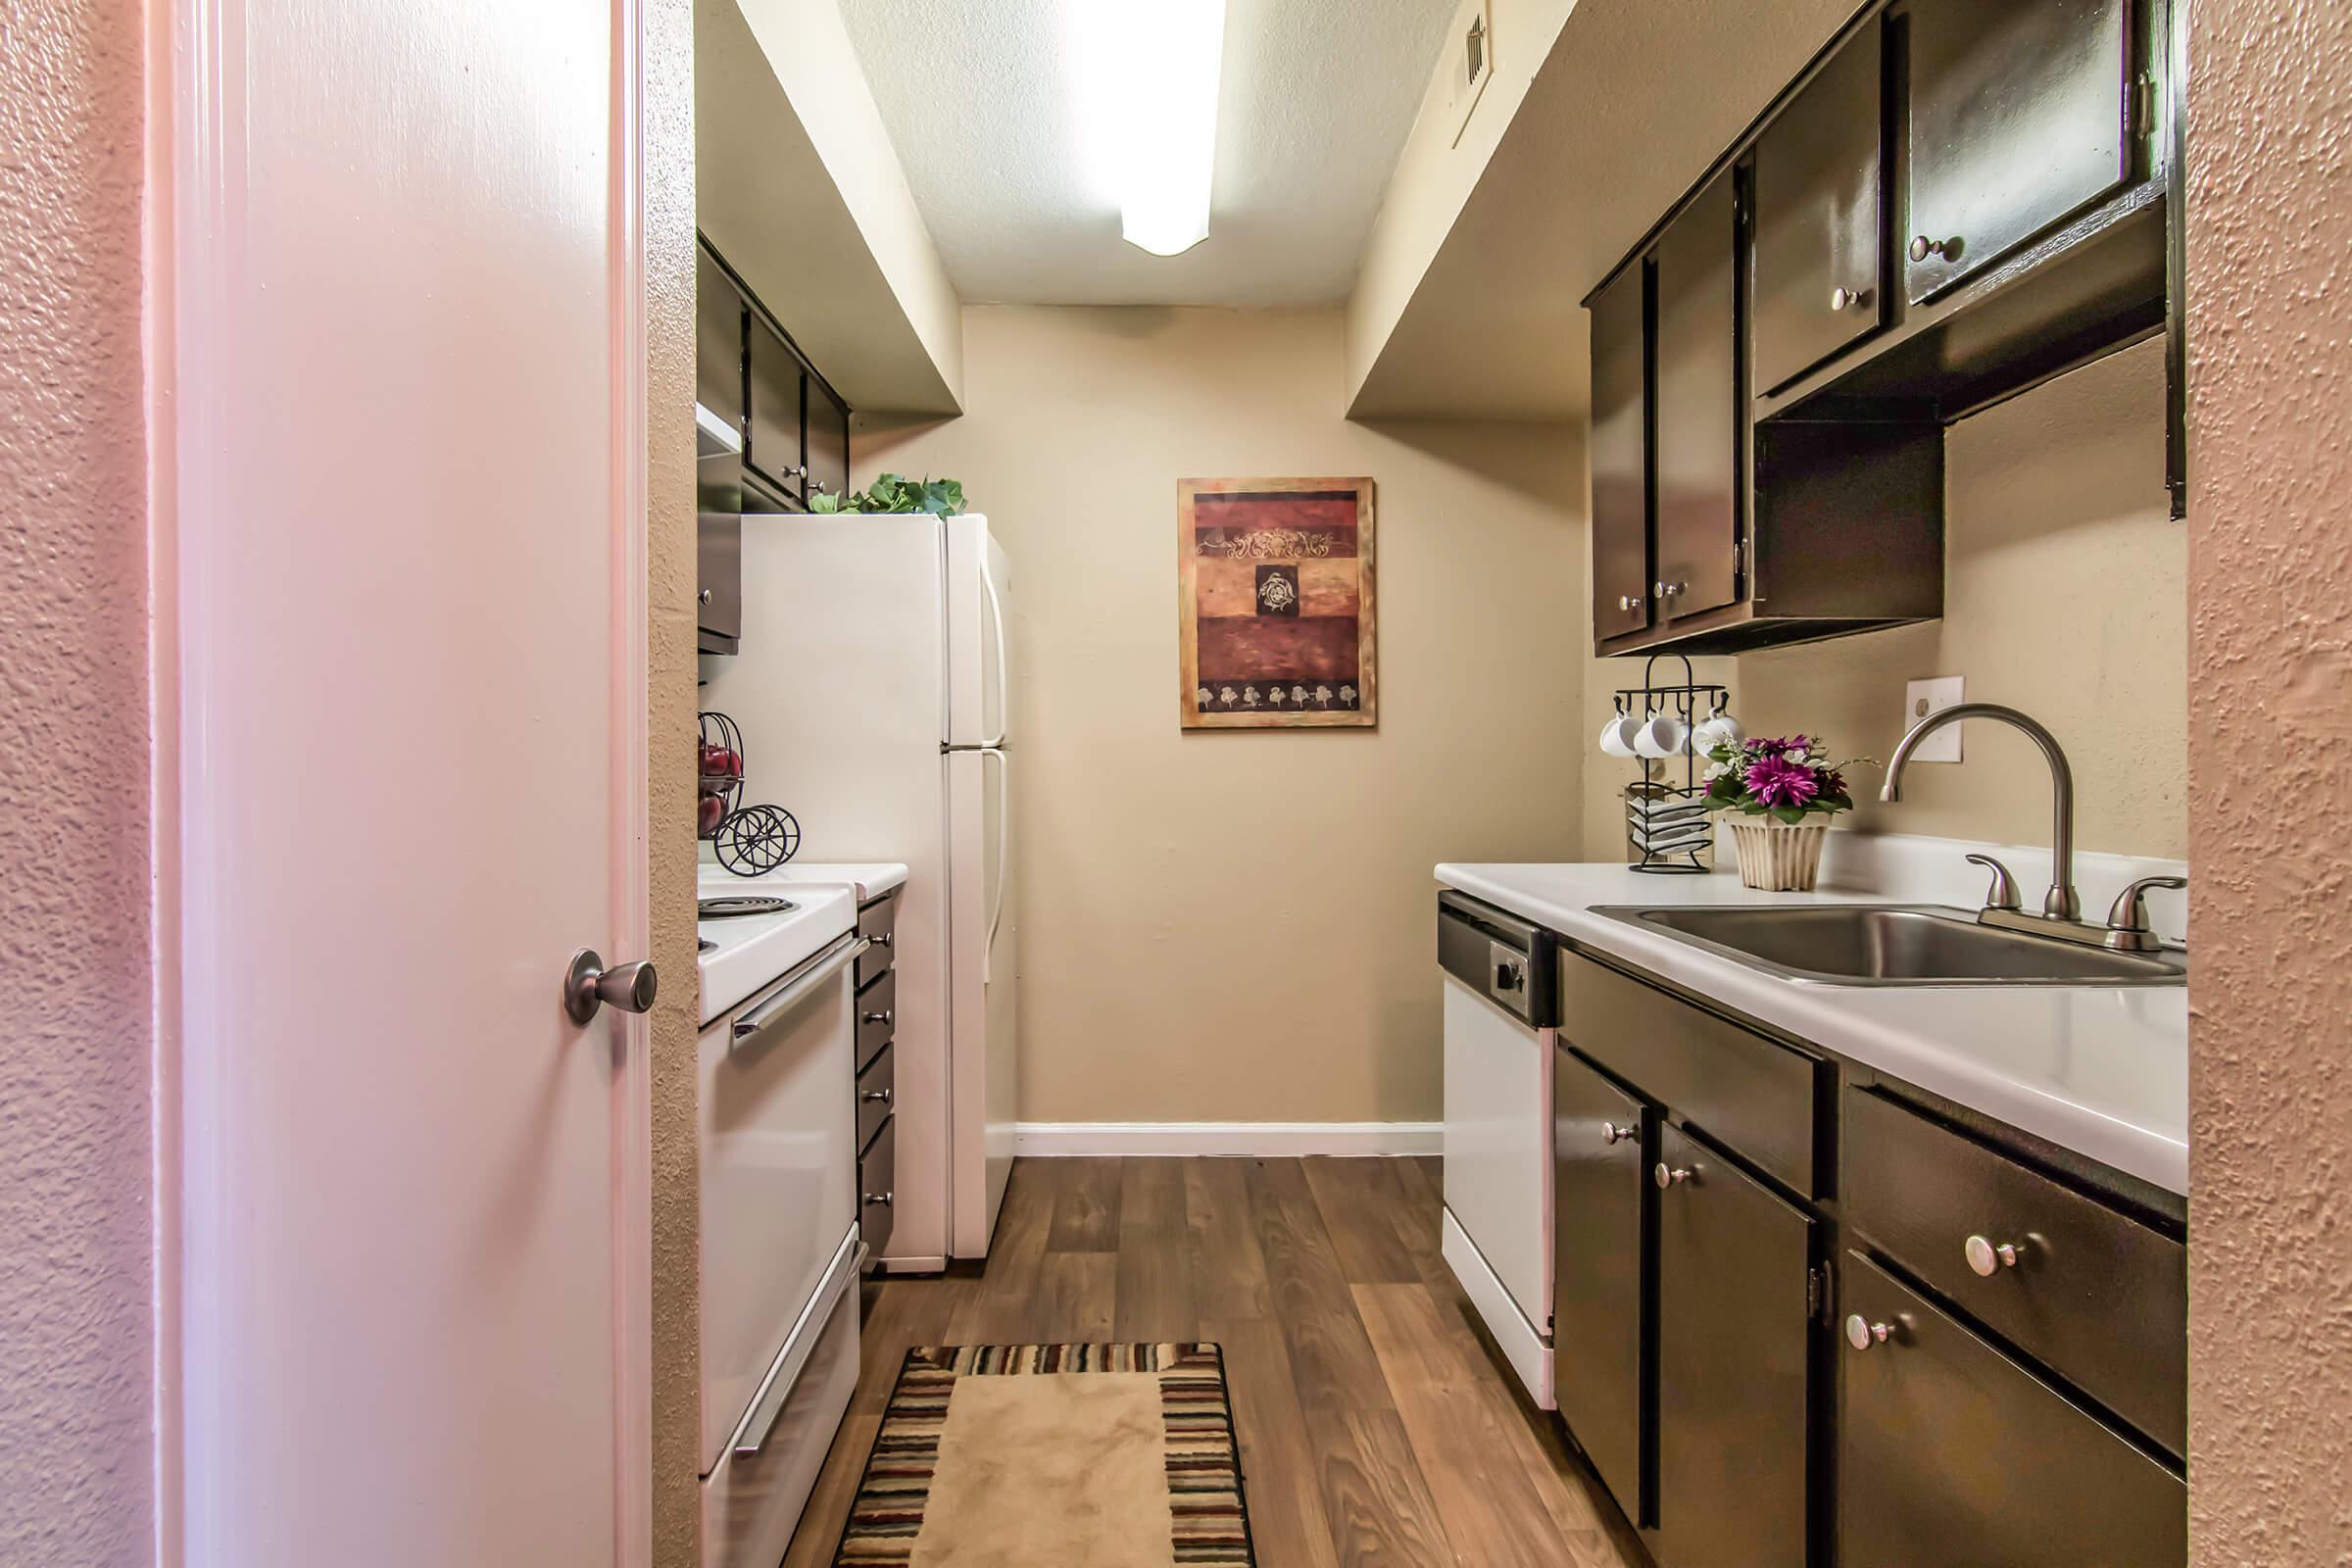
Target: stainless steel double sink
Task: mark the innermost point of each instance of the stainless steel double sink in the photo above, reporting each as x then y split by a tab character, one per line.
1898	945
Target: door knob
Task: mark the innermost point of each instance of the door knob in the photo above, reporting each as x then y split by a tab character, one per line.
1988	1257
588	985
1666	1175
1861	1333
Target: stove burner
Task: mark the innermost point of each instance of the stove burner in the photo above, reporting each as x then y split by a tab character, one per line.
740	904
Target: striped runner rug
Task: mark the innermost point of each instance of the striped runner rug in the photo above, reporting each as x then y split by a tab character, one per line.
1074	1455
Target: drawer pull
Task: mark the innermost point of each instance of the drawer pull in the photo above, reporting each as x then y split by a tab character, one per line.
1862	1333
878	1199
1989	1259
1667	1176
1611	1133
879	1096
882	1017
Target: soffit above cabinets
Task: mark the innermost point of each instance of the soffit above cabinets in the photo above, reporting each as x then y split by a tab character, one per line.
1315	99
1632	104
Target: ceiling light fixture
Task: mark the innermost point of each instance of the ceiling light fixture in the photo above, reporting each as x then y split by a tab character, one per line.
1148	104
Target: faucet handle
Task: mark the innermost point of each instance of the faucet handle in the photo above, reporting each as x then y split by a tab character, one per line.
2003	894
2127	920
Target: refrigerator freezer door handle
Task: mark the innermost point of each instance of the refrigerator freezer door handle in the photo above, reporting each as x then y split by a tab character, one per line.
995	616
995	908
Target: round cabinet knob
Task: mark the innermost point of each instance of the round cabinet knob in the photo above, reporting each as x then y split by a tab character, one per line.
1668	1176
882	1017
1989	1257
1629	602
875	1096
702	597
1862	1333
1845	299
1923	247
878	1199
1611	1133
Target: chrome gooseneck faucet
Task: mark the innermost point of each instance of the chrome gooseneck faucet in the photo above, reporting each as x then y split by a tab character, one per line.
2062	901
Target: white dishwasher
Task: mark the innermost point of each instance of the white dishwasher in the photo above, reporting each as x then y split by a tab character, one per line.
1498	976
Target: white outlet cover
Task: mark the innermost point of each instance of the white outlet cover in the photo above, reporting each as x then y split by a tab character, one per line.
1924	696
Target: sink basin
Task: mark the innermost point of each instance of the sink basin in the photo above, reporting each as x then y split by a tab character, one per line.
1900	944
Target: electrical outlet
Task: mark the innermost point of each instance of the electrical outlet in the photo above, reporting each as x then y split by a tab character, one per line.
1924	696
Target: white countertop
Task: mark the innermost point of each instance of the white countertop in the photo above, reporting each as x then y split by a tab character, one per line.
867	879
2100	1070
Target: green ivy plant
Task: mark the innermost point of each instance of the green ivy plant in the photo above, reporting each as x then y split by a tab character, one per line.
895	493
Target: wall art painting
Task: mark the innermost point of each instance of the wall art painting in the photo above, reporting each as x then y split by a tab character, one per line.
1274	604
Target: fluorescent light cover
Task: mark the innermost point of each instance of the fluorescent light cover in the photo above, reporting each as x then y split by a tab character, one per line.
1146	98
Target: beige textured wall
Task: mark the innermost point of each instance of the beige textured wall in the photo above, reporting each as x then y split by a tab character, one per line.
76	1148
2270	768
1236	925
670	799
77	1367
2065	594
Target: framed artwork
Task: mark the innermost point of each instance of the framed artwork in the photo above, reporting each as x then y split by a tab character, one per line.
1274	604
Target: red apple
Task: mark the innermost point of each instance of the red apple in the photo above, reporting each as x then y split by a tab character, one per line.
712	807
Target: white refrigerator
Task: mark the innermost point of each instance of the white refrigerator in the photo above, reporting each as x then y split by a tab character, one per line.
871	684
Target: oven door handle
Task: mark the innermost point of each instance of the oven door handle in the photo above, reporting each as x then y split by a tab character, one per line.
798	986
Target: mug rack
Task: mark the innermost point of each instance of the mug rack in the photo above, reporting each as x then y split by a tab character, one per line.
1652	795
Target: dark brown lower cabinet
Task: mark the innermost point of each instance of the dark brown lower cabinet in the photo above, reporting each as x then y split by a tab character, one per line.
1734	1330
1952	1455
1598	1172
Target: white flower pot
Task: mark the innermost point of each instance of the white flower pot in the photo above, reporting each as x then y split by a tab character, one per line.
1776	857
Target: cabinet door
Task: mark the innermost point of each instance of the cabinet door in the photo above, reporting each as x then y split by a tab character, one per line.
777	383
1698	408
1951	1455
718	317
1598	1172
1620	455
1817	197
828	443
2017	120
1732	1327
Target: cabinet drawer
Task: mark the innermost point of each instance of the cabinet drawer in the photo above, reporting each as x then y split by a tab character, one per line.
877	1089
1953	1456
876	1197
878	923
1752	1094
877	1015
2098	1296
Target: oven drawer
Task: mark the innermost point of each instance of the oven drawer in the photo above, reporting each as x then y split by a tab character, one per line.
877	1090
2101	1297
875	1193
1951	1455
878	923
877	1015
1751	1093
753	1497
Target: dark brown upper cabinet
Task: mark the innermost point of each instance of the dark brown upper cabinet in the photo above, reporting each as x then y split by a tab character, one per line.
719	318
828	444
1956	201
2017	119
778	386
1699	407
1619	455
1818	216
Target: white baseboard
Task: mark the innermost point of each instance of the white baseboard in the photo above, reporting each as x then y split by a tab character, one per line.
1051	1138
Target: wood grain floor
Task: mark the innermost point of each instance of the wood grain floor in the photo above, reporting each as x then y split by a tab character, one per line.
1376	1427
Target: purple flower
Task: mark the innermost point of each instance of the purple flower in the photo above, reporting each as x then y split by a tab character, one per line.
1775	782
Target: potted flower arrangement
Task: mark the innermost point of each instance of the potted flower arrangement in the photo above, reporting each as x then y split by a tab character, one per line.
1777	797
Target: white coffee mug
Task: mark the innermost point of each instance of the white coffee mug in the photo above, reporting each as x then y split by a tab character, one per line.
1662	736
1617	735
1717	729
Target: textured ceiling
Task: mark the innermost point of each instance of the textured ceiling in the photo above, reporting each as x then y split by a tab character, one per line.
1316	98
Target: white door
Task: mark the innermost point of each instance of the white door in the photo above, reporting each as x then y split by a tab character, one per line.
979	584
409	541
981	989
